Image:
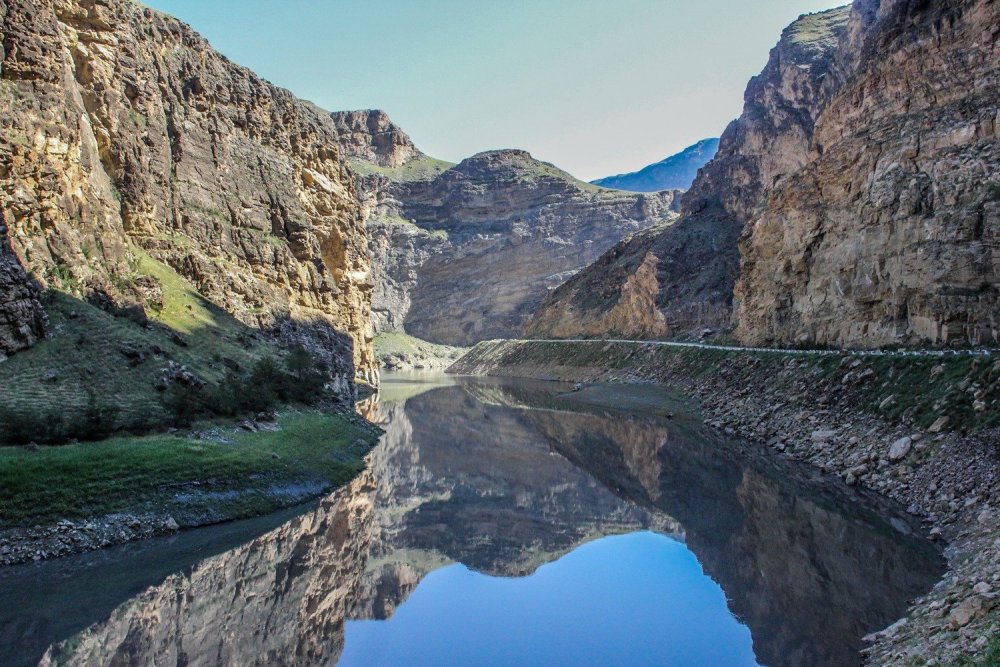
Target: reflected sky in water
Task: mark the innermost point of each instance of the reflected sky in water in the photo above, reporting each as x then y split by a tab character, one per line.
637	599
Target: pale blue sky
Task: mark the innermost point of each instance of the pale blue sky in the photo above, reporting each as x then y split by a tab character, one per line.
595	86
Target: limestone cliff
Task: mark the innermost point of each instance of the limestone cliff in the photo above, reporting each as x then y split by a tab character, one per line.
674	279
467	252
891	233
855	202
122	130
370	136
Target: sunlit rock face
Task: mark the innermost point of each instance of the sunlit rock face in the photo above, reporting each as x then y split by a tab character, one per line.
123	132
855	202
890	232
504	478
674	279
463	253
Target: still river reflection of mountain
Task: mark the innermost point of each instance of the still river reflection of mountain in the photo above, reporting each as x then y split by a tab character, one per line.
482	533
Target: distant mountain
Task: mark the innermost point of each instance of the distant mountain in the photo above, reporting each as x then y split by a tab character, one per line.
467	252
675	172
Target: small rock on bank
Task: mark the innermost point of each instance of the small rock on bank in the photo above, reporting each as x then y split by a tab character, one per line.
900	448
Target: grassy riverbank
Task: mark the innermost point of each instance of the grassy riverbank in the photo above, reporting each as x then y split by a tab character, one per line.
913	390
212	474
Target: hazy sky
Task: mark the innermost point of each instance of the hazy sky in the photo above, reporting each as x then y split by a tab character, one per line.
597	87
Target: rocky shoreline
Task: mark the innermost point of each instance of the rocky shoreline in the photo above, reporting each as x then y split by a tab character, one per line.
65	537
827	412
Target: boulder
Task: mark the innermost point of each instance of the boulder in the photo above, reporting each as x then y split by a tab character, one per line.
900	448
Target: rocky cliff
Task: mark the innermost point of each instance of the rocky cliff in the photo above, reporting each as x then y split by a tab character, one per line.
674	172
678	278
855	201
891	232
22	319
466	252
124	133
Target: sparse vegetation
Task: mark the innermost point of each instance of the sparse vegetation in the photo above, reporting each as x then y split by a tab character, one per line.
989	658
138	118
263	387
393	347
948	385
418	169
210	211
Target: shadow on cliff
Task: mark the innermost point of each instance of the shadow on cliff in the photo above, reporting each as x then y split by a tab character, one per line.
109	368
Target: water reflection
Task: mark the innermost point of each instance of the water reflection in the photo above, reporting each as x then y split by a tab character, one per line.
503	478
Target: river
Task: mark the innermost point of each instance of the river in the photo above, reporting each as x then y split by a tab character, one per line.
503	522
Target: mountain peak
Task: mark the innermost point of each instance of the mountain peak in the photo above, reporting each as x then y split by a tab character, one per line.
674	172
370	135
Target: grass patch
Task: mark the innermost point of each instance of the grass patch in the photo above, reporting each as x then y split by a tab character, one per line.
267	235
139	119
989	658
235	474
821	28
214	213
421	168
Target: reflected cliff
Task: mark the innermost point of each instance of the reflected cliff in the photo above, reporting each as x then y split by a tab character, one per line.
504	477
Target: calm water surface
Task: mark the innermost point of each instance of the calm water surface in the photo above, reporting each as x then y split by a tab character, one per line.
503	523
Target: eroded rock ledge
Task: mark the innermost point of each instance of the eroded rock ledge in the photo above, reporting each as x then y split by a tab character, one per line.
22	319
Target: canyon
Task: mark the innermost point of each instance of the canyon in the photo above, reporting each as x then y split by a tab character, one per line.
171	222
466	252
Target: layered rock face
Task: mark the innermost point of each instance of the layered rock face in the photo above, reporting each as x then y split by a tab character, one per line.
22	319
369	135
674	172
467	252
124	132
855	202
891	233
678	278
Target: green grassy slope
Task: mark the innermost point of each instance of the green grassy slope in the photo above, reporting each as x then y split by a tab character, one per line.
92	355
226	473
421	168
